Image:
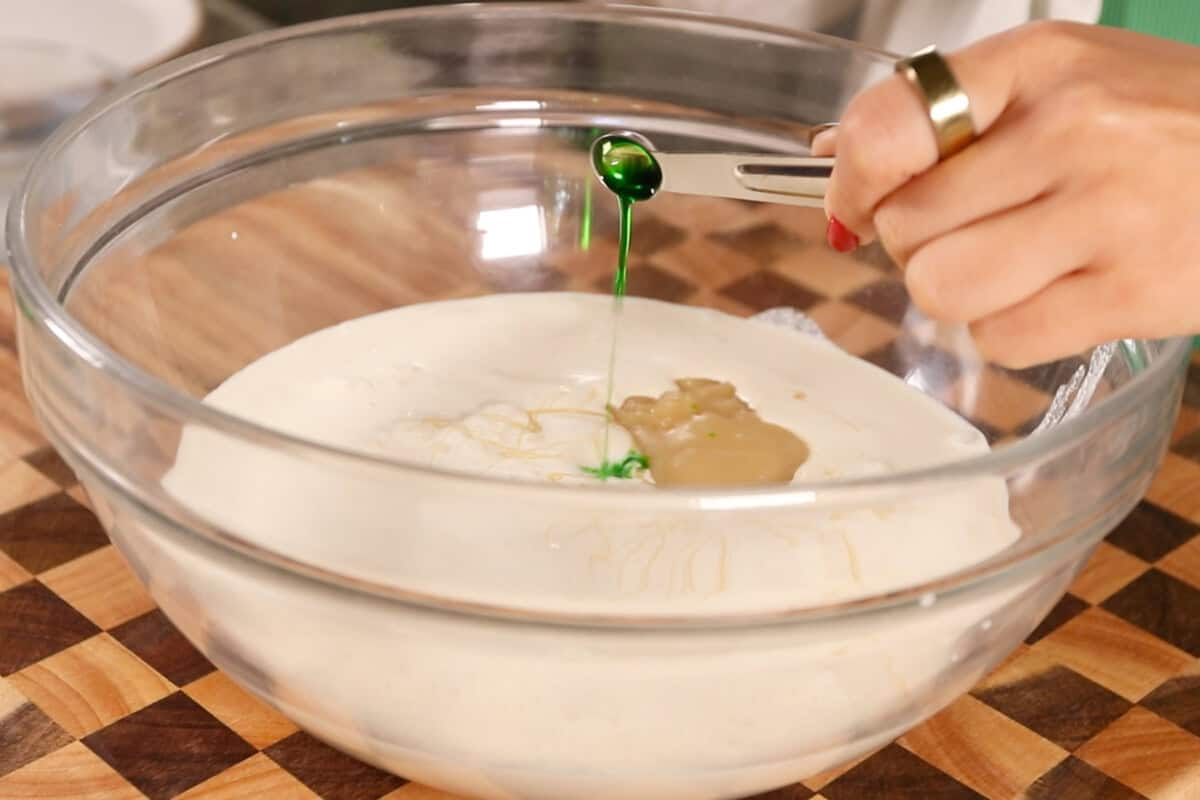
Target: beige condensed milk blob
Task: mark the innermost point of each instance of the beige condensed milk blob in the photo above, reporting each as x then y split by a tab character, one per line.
703	434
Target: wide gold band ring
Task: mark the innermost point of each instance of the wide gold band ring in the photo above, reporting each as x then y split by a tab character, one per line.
947	104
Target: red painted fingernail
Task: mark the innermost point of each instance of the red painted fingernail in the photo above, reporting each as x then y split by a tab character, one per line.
840	237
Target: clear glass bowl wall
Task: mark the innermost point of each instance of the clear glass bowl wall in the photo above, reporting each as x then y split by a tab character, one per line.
226	204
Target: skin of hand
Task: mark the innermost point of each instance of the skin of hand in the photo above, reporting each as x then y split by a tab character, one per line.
1072	220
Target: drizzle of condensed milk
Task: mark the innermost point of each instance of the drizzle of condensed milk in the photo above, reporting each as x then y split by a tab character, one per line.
703	434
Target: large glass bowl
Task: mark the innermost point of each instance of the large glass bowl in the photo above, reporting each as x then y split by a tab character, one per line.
223	205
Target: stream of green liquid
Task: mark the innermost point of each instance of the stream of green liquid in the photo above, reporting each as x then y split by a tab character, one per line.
631	172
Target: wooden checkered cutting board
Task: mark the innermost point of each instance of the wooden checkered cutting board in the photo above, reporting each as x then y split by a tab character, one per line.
100	697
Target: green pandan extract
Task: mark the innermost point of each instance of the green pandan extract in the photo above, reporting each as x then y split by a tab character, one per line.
630	171
625	468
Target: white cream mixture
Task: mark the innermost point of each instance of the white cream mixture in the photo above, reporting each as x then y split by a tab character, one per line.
513	386
511	710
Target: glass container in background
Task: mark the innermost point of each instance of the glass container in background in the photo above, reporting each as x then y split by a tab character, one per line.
44	84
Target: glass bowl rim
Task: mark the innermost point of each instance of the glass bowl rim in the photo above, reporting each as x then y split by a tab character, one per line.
42	308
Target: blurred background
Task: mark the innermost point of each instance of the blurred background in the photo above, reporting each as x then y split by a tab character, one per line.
830	15
58	55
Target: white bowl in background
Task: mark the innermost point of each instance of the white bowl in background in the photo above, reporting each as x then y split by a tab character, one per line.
131	35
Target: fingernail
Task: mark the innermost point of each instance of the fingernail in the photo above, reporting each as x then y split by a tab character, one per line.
840	237
822	143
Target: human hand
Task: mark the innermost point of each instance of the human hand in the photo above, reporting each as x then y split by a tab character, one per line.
1074	218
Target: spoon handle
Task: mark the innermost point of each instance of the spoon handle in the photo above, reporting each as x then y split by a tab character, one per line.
792	180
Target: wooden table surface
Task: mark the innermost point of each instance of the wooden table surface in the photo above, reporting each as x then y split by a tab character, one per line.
100	697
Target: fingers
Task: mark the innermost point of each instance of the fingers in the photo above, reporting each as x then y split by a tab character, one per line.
1063	319
1010	235
993	176
999	261
885	138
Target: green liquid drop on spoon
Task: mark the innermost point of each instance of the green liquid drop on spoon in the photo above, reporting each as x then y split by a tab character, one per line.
630	171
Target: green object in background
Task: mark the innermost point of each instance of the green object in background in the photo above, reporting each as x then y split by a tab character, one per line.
1169	19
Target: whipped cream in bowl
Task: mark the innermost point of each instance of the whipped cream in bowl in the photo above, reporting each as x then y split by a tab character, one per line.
512	388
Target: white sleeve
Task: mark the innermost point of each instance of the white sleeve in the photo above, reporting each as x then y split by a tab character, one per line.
898	26
905	27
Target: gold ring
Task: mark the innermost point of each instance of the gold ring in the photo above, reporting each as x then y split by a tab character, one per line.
947	104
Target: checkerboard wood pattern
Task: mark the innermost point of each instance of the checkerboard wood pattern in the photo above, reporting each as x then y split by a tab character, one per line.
100	697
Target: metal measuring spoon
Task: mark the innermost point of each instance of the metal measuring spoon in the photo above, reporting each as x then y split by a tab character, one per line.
792	180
